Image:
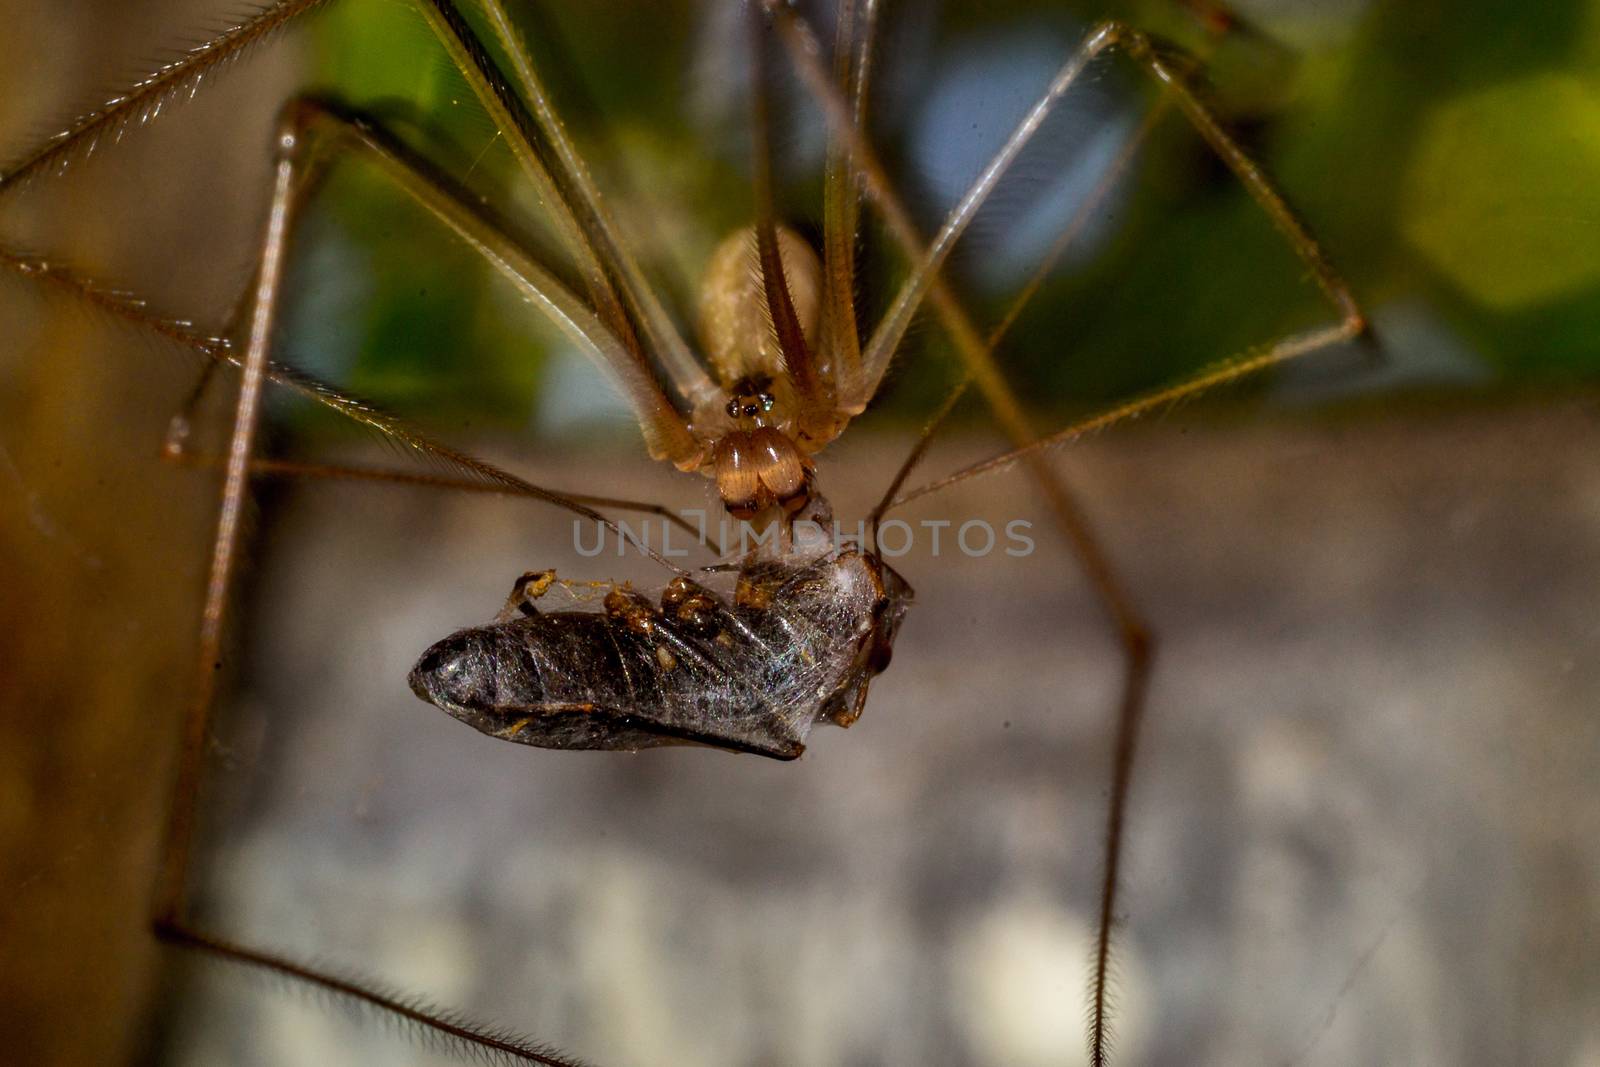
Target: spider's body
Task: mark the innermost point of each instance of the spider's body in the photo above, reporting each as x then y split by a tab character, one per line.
760	454
783	367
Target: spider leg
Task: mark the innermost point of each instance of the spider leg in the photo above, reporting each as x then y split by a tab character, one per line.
281	468
589	236
817	410
924	283
1281	351
666	433
841	201
301	124
609	246
1133	633
1075	227
471	473
142	103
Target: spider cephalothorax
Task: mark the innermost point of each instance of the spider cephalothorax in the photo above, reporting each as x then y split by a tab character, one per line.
760	458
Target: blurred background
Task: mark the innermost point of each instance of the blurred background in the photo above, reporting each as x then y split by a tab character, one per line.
1363	829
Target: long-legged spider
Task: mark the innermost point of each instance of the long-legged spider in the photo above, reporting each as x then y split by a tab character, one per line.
750	411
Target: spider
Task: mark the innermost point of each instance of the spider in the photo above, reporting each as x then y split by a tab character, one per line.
785	365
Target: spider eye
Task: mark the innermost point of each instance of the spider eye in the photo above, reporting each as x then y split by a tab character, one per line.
766	401
733	408
751	410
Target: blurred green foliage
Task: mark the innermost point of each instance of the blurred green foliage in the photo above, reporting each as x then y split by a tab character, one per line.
1444	151
1519	250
